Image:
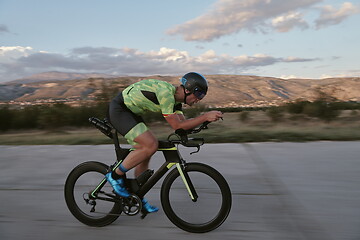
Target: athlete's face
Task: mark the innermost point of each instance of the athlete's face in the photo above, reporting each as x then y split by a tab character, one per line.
191	100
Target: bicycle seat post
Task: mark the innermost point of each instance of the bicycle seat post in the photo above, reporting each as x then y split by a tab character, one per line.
121	153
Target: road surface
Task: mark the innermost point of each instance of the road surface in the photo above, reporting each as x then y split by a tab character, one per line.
280	191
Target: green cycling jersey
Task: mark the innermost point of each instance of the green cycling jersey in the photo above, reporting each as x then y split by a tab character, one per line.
151	95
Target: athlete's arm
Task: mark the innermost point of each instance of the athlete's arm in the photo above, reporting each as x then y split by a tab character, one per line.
178	121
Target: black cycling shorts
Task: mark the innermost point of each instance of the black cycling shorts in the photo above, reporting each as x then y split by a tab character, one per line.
127	123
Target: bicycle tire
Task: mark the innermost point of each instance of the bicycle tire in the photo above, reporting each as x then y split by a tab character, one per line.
219	183
72	180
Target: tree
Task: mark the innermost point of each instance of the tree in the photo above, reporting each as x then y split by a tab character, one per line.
275	114
6	117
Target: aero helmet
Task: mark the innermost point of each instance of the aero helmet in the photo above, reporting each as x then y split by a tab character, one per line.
195	83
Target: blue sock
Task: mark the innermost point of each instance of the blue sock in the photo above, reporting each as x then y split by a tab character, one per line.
116	176
123	169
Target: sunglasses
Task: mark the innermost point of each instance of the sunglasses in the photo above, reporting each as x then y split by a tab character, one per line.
199	94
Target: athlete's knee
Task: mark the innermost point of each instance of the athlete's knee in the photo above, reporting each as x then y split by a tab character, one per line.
150	147
147	143
153	146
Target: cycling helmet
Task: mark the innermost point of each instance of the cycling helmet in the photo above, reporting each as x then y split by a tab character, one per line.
195	83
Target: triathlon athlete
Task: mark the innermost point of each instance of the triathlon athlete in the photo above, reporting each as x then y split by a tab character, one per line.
152	95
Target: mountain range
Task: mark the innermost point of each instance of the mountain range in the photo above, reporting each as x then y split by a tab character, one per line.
224	90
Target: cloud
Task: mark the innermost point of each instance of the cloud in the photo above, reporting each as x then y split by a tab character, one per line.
297	59
289	21
331	16
227	17
8	58
231	16
17	62
8	53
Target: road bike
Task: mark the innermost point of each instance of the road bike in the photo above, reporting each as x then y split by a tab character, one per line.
194	196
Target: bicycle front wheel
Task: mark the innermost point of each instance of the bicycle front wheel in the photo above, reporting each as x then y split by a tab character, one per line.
82	180
210	209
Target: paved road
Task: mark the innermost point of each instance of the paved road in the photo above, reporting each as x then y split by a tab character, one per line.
280	191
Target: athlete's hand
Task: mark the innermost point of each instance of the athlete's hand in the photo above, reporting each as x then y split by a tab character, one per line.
213	116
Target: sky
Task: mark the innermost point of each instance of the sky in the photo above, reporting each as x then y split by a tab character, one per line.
273	38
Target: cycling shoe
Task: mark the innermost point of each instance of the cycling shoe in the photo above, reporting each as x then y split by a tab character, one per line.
149	208
118	185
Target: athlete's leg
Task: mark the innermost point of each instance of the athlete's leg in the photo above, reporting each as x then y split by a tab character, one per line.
142	167
146	146
137	134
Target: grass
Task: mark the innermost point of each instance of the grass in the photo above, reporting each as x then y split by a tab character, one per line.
257	127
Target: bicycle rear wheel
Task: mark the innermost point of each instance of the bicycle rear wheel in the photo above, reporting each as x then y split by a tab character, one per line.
212	206
82	180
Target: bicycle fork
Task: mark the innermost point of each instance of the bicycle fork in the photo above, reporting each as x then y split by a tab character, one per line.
187	181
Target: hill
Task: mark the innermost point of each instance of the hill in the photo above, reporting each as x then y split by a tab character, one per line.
224	91
58	76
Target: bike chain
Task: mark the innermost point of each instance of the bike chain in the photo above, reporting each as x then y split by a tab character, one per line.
131	205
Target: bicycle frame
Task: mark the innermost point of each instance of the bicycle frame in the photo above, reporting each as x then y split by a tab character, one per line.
172	157
82	201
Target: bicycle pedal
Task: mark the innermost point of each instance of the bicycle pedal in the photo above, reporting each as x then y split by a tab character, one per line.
92	209
144	214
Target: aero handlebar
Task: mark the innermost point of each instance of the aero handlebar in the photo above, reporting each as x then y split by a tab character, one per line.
180	134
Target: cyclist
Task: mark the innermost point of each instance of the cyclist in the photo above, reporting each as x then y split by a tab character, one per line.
153	95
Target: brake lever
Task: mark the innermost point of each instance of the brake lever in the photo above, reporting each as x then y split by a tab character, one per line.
198	149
